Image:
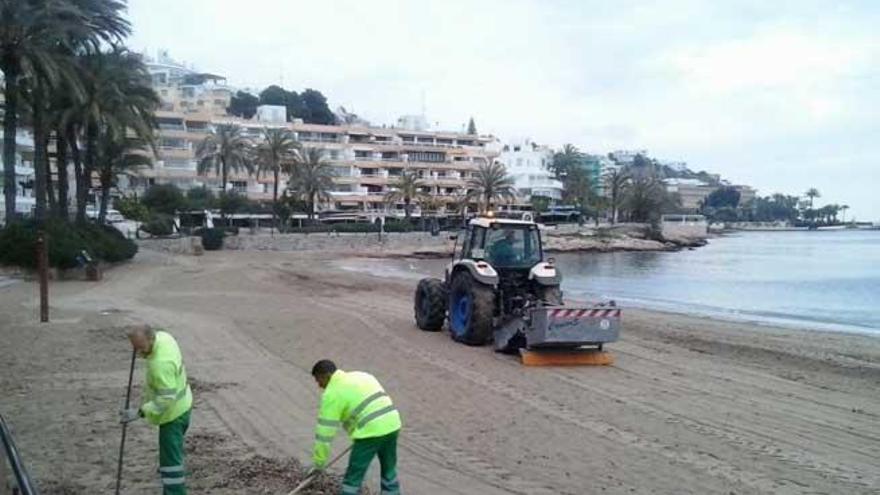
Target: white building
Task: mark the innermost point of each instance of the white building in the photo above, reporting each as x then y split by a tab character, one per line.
24	173
528	164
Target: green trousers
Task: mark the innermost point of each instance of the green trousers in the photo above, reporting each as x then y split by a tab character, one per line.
171	455
361	456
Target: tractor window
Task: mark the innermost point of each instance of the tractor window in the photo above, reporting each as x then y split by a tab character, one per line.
513	247
474	249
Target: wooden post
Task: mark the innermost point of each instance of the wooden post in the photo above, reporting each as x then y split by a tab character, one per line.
43	271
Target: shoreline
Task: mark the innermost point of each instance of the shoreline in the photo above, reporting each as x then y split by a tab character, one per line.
715	314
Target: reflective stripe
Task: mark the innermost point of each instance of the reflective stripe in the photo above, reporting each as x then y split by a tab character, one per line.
171	469
323	438
173	481
329	422
366	402
350	490
375	414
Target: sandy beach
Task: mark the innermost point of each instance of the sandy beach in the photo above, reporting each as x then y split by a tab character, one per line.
691	405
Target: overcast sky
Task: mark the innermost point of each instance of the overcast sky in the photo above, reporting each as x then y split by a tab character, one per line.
781	95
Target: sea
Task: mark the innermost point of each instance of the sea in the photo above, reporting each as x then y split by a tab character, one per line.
823	280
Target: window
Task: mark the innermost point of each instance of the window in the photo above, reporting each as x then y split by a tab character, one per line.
512	246
239	186
172	143
408	139
427	156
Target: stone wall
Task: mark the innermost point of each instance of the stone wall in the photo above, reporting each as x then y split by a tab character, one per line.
390	243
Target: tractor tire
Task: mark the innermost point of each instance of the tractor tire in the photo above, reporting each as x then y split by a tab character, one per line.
471	307
430	304
550	295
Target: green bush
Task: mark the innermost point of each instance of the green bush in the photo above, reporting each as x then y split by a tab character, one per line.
66	241
164	198
132	209
159	225
212	239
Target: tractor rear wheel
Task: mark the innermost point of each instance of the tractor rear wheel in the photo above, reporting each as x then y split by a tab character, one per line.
430	304
471	307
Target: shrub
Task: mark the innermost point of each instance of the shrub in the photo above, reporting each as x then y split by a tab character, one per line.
132	209
212	239
164	198
159	225
66	241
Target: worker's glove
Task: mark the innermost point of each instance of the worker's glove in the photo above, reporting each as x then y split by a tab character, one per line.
129	415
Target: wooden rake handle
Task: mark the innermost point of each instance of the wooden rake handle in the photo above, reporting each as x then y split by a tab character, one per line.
311	476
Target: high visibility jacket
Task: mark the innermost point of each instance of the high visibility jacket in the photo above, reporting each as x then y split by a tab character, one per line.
357	402
166	393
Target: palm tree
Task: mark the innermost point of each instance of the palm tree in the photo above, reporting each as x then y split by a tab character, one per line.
564	161
407	188
31	32
118	154
491	181
812	193
275	155
843	209
312	178
224	150
616	181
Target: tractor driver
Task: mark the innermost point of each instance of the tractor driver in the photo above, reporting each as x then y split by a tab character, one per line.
502	251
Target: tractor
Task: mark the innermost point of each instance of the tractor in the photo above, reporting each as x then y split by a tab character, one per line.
500	289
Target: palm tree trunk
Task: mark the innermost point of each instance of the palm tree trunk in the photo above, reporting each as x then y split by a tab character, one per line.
275	199
88	167
10	68
106	182
50	188
82	189
223	177
406	208
40	158
61	167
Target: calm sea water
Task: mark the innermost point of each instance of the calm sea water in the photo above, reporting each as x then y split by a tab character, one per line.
824	280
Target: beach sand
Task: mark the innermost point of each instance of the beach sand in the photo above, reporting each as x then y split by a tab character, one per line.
691	405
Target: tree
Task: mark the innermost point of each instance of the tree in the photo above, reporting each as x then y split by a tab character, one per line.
646	199
472	128
491	181
243	104
843	209
407	188
164	198
577	187
566	160
119	154
224	150
122	117
812	193
316	109
273	95
31	32
200	198
296	109
617	179
540	204
275	154
722	197
312	178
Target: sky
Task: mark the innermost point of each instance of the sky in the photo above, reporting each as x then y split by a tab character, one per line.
780	95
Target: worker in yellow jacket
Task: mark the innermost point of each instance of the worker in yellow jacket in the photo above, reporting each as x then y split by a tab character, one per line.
167	401
357	402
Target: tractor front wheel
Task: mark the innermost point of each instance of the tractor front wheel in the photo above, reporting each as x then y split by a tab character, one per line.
471	307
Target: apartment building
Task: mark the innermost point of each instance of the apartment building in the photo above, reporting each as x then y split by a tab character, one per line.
528	162
367	160
24	173
694	192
